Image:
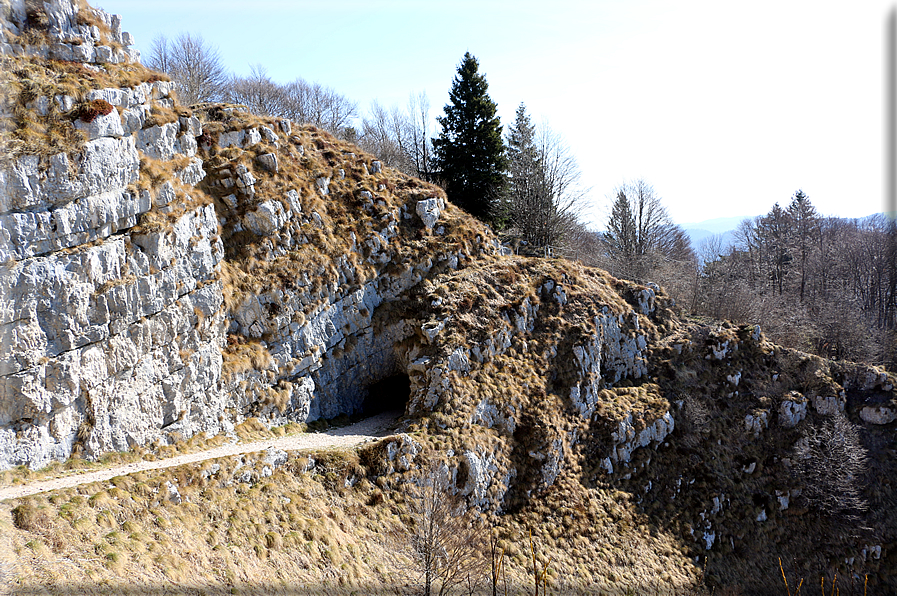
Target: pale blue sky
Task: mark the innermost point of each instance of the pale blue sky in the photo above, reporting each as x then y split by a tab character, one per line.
724	107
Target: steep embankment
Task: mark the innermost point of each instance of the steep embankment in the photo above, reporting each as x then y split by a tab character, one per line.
170	271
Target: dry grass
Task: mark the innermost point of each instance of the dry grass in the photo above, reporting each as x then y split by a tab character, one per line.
225	532
160	114
24	80
241	355
91	110
303	531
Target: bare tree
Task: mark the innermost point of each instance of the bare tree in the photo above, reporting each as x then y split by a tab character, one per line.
258	93
641	236
815	283
313	103
775	231
443	540
567	198
309	103
194	64
496	563
583	244
385	132
419	134
401	139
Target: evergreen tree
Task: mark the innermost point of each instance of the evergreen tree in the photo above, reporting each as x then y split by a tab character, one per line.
776	230
469	153
620	237
805	226
526	196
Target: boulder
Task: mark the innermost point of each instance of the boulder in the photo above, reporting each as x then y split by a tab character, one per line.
428	210
268	161
878	414
266	220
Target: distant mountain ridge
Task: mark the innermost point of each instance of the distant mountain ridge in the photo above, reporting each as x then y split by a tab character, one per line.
721	226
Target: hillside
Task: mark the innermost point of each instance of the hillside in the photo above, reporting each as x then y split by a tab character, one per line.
177	274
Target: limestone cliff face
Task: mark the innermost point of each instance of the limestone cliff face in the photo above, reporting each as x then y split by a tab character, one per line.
167	272
110	332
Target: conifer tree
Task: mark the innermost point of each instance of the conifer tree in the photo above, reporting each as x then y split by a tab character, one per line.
526	208
805	226
641	235
469	153
620	237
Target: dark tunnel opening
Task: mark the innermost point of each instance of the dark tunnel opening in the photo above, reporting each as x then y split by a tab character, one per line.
391	393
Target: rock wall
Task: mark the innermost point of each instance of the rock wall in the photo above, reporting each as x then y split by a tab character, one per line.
130	309
110	332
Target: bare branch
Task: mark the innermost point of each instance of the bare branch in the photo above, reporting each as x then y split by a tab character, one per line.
193	64
443	540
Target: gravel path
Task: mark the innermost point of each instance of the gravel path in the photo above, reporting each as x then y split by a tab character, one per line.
348	436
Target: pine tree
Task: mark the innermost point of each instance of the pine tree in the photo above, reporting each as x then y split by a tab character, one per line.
469	153
620	236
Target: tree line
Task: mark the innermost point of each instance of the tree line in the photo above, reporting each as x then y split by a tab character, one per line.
821	284
201	77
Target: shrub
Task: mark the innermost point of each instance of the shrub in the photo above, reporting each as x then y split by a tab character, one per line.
90	111
30	518
831	461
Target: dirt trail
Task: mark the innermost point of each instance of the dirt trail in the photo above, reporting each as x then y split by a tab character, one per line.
348	436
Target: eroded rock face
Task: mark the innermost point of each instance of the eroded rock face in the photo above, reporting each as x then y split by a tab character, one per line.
113	344
113	324
110	332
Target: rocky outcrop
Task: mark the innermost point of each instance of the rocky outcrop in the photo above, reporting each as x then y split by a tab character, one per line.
72	35
118	325
110	330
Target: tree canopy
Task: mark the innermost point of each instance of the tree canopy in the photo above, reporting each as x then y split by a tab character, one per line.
469	155
194	64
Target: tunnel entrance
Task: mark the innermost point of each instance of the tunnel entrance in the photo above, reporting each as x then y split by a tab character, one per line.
391	393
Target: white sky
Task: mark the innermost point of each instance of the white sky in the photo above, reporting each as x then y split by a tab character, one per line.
724	107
